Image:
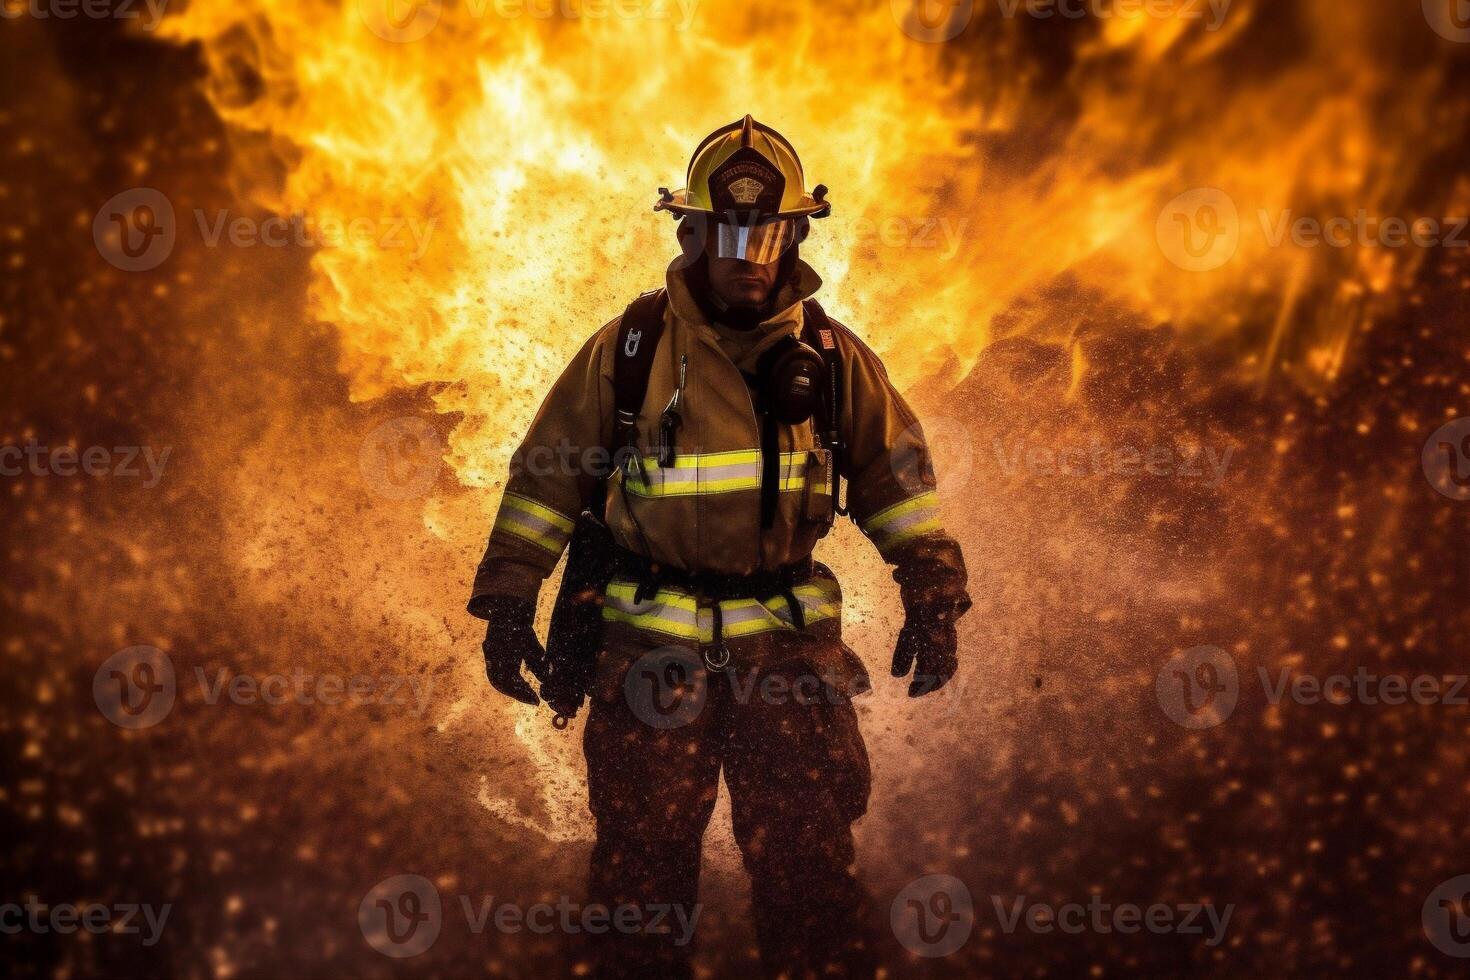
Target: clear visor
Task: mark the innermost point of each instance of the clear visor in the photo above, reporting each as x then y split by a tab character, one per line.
758	243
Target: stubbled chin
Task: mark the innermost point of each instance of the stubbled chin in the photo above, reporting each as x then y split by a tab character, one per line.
749	297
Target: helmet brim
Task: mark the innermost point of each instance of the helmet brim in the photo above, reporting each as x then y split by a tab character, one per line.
810	207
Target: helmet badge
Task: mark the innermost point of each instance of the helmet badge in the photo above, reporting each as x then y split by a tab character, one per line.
746	190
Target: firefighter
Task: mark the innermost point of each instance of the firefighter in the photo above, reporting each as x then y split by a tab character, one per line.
753	410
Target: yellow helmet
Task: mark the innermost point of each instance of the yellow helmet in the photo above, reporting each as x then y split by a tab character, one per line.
748	180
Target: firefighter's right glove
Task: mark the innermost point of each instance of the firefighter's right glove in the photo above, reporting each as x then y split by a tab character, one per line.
509	642
929	639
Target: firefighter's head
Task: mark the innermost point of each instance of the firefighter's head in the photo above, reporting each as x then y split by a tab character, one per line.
745	209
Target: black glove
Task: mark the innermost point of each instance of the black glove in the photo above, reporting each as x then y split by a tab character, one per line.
509	642
564	694
928	637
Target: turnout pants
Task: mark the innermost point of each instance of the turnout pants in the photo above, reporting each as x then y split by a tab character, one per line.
778	720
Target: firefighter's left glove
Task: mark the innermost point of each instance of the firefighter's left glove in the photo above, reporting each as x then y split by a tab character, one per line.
929	639
510	641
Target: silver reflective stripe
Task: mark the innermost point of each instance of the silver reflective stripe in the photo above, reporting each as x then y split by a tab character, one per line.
809	603
675	613
737	611
711	473
532	522
900	524
708	479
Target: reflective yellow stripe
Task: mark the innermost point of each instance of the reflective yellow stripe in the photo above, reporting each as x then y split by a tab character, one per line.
713	473
694	461
904	521
678	614
534	522
529	506
669	612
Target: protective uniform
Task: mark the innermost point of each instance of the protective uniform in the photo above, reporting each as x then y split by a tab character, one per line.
729	590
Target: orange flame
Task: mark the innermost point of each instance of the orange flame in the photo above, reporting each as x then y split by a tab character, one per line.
515	148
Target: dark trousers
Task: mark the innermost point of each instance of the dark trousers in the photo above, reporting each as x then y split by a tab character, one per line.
660	728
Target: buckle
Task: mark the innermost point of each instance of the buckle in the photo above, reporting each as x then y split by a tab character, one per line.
717	657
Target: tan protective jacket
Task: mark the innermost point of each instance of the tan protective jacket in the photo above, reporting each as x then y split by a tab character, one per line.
703	512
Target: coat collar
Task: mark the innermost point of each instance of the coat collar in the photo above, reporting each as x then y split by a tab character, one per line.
800	286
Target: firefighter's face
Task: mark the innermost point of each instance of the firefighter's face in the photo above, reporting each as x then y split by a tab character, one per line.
742	283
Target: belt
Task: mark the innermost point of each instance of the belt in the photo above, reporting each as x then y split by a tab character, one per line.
715	587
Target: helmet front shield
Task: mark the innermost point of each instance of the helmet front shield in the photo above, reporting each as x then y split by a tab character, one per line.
759	242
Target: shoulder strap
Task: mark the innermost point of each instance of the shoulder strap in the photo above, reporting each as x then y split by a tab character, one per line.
638	335
821	334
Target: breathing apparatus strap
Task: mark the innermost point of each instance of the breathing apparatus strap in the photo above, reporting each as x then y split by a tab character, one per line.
639	332
638	335
821	334
770	468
